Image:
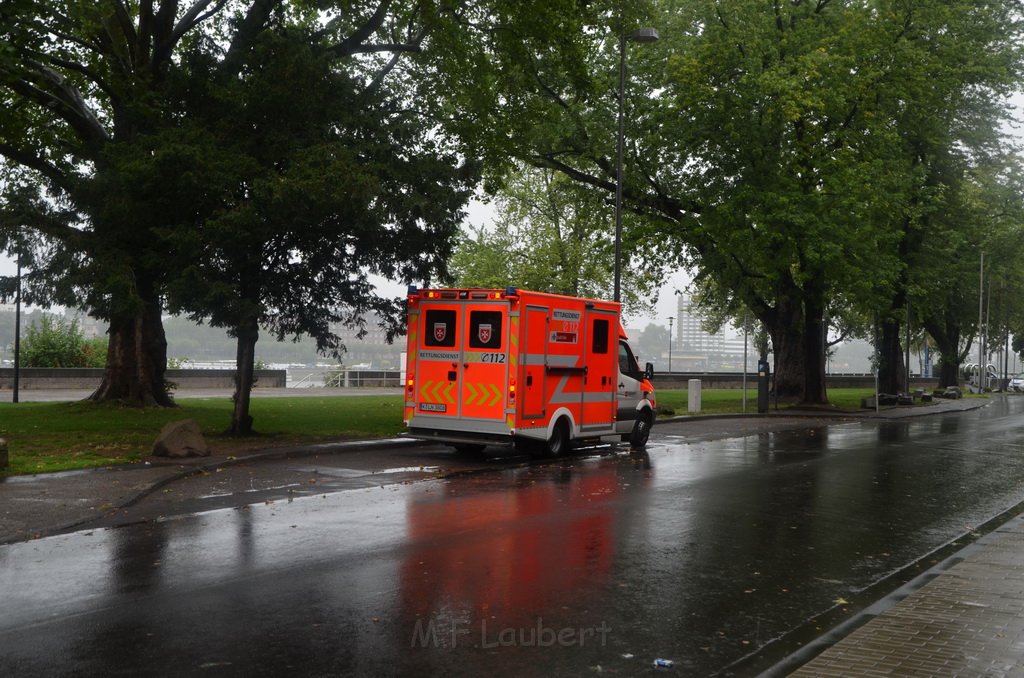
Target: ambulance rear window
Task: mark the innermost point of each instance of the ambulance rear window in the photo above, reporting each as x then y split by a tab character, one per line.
440	330
600	335
485	329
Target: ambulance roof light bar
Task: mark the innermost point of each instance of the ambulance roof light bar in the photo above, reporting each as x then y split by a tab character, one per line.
413	290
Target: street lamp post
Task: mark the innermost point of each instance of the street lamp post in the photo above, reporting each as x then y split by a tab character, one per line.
671	319
17	332
639	35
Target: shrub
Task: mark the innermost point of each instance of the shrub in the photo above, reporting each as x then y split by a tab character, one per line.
55	342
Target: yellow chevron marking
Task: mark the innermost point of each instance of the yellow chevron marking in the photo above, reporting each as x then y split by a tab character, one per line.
425	392
496	395
448	393
470	393
513	357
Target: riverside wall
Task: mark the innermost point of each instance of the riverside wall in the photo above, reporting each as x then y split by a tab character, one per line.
60	378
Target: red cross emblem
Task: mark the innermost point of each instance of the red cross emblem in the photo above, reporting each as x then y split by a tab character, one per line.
440	331
484	333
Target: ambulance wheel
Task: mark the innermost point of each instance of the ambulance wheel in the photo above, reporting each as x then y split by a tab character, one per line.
469	449
641	431
558	443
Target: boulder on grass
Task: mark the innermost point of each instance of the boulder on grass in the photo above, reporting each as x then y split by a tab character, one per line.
181	439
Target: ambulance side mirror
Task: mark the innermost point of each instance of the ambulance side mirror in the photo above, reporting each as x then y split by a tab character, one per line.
648	370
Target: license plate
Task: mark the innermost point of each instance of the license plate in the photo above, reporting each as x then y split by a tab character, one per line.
433	407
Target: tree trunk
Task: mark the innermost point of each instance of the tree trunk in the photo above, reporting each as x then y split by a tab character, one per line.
891	370
798	341
946	335
245	365
136	361
949	373
788	346
814	392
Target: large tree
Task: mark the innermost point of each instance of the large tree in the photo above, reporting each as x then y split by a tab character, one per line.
981	228
109	111
957	63
312	199
769	154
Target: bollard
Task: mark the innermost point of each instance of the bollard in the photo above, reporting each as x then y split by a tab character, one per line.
693	396
4	461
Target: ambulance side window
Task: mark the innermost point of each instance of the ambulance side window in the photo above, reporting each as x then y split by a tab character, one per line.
600	335
627	363
485	329
440	329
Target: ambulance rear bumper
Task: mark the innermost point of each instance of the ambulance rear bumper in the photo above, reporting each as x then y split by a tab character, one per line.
461	431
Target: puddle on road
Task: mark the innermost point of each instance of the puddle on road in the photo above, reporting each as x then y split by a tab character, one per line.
409	469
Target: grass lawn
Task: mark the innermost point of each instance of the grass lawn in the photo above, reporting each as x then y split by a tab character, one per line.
48	436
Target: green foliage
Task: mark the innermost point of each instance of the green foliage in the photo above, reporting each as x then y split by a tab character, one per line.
553	235
794	155
52	341
252	173
95	350
179	362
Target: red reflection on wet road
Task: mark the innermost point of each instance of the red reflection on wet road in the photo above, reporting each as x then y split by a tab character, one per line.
490	553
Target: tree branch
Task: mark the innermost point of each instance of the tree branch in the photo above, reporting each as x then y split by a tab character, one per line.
254	22
145	32
195	16
393	61
124	20
66	100
89	74
32	161
349	45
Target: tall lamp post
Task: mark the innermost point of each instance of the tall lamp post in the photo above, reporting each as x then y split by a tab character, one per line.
17	332
639	35
671	319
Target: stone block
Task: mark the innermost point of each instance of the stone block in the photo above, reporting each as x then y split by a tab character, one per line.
181	438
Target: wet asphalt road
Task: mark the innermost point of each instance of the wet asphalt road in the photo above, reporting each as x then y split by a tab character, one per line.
699	552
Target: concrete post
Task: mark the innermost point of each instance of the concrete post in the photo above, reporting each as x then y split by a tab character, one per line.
693	396
4	460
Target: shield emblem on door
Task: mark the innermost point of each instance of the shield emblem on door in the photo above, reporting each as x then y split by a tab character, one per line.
483	333
440	331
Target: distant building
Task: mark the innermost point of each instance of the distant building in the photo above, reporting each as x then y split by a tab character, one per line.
699	349
373	349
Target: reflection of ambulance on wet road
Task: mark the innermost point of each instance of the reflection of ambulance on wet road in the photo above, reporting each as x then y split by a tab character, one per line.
537	370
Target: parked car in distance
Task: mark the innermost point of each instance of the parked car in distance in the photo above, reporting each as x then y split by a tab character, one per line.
1017	383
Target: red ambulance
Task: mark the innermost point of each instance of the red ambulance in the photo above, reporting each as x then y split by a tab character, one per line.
530	369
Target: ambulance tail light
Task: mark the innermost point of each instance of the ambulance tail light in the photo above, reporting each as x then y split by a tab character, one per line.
511	390
409	383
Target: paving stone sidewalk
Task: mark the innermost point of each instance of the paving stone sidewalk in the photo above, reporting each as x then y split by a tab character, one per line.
967	620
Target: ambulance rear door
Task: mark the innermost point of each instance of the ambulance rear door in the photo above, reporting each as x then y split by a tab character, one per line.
438	359
485	360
